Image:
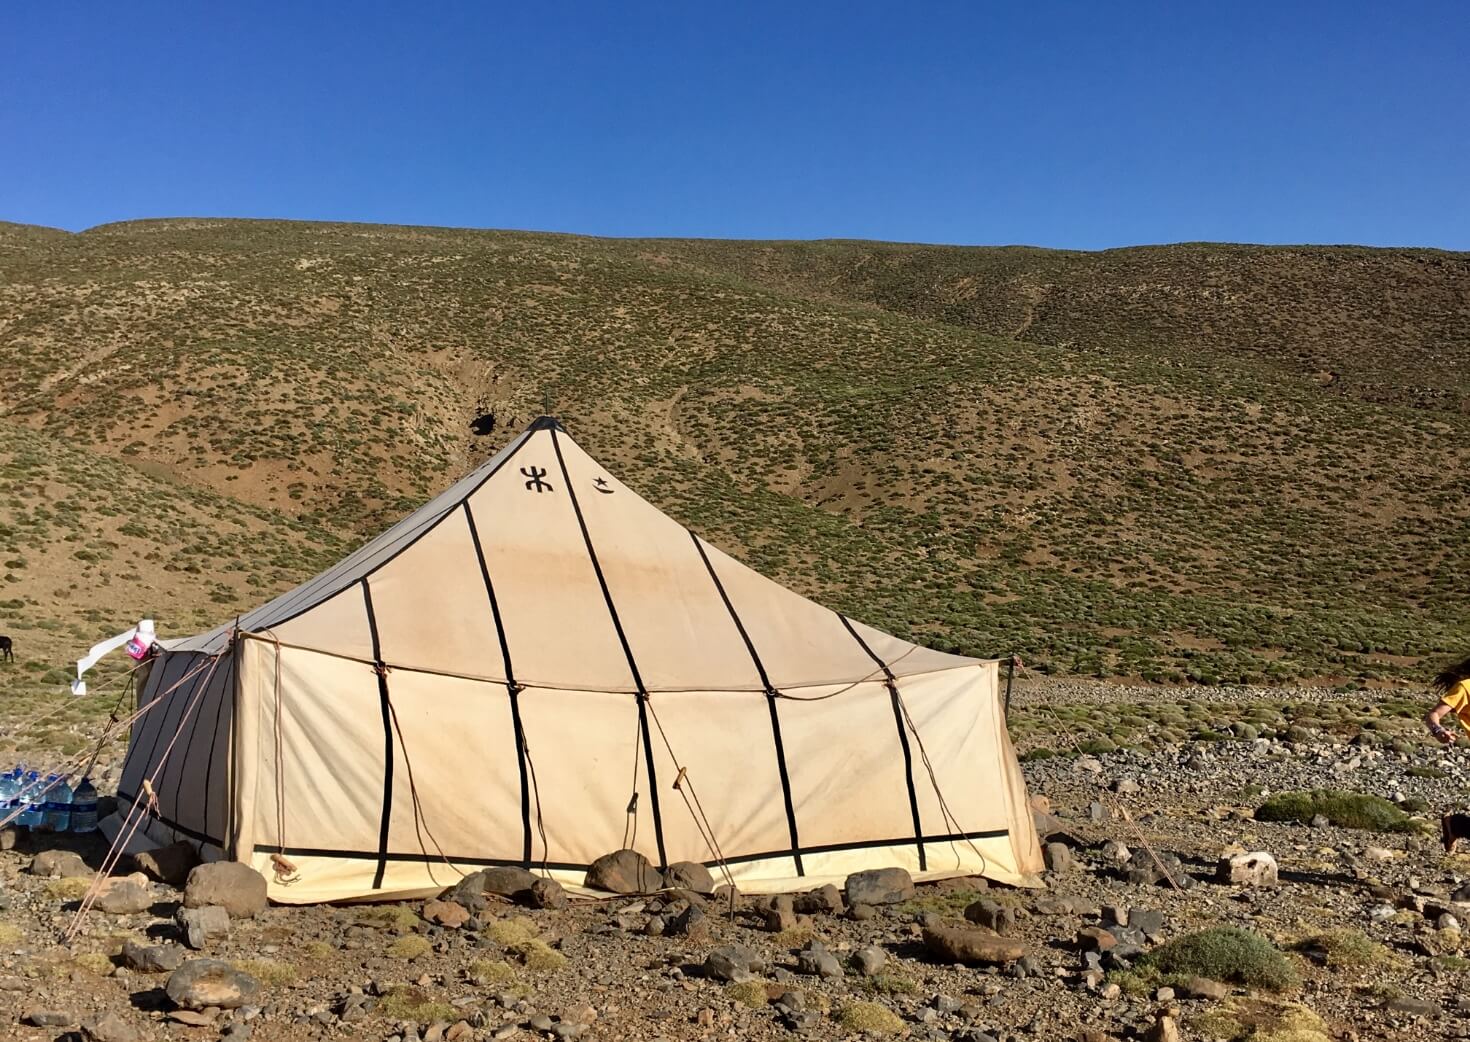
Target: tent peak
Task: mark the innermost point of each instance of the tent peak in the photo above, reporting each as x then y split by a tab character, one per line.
545	423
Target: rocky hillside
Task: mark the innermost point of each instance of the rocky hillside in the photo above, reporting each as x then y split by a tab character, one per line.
1214	463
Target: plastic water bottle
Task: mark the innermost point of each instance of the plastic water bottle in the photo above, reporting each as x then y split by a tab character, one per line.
8	789
84	807
58	804
31	802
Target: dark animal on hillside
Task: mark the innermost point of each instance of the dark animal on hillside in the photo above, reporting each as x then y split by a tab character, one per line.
7	649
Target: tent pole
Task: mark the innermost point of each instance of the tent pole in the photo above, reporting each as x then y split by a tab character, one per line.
1010	676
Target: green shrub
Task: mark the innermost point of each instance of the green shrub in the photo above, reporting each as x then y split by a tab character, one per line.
410	946
1345	948
1225	953
869	1017
750	993
408	1002
1351	810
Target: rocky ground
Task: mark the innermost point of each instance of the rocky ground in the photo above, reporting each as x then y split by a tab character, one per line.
1367	921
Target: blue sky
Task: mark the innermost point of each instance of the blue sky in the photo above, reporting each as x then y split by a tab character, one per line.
1083	125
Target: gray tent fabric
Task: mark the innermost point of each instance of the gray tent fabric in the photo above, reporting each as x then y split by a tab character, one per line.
539	667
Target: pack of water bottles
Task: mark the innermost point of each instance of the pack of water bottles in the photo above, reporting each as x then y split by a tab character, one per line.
46	803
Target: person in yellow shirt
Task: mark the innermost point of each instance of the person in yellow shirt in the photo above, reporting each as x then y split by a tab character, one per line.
1452	685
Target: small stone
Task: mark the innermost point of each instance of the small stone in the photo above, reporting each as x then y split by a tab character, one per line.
191	1018
201	983
992	915
1095	939
1204	988
823	900
48	1018
109	1027
779	913
691	923
546	893
1149	921
1115	853
879	886
869	960
162	958
1254	869
1165	1029
1057	856
1414	1007
818	962
202	925
623	872
733	963
448	914
539	1022
971	945
861	913
235	887
1165	994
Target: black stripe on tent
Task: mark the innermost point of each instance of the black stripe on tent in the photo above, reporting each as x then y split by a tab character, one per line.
567	866
183	765
510	684
219	707
317	584
903	736
158	682
182	830
760	668
658	821
199	677
382	674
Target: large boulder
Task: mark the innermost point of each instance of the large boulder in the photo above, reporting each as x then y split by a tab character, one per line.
624	872
60	864
971	946
879	886
689	875
171	864
201	983
237	888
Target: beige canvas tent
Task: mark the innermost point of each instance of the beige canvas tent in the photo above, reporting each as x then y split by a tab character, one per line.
492	680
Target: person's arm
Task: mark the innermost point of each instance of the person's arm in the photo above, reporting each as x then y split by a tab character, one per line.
1432	721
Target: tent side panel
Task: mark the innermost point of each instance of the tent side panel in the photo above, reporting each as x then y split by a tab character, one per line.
954	719
724	742
455	751
159	687
319	763
187	797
